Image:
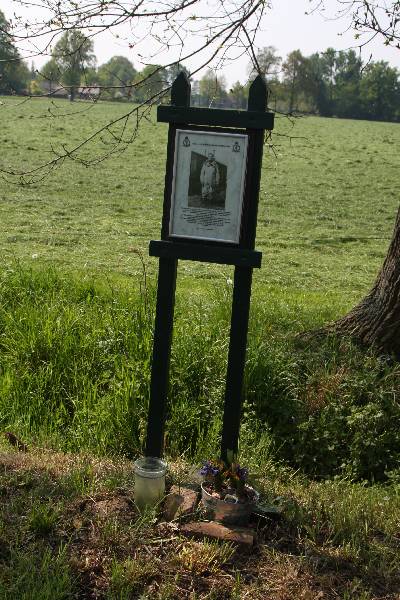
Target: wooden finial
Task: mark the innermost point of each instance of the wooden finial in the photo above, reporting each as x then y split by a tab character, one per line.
180	91
258	94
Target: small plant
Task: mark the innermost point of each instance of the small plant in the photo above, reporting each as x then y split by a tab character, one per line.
227	480
129	577
202	557
42	519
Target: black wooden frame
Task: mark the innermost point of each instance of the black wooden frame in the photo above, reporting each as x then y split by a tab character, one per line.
169	249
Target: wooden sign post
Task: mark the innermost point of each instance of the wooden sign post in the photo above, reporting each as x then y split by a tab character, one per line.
211	193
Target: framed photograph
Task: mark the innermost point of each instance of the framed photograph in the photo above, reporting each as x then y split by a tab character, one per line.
208	185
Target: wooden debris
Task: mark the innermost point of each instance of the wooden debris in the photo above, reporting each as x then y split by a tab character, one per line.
226	533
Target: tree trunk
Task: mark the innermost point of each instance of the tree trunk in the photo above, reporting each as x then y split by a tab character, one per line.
375	321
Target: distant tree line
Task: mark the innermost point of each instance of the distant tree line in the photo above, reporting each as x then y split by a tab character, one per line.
329	83
333	83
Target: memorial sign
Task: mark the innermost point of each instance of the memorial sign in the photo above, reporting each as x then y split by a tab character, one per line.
212	185
208	185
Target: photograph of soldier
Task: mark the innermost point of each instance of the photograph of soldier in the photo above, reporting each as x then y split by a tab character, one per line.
207	181
209	178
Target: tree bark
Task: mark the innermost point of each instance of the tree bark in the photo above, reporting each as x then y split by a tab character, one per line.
375	321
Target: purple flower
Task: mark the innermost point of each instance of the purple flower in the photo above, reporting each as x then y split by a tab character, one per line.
242	473
209	469
204	470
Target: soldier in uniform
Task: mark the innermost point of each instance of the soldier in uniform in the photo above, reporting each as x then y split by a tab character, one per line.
209	178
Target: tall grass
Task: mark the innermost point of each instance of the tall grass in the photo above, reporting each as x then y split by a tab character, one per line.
76	362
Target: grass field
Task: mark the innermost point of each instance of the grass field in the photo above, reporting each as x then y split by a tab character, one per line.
321	422
327	201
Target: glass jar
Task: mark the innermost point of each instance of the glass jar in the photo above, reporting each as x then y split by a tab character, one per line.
149	481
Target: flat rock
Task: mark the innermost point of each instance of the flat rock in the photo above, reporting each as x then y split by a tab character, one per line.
227	533
180	502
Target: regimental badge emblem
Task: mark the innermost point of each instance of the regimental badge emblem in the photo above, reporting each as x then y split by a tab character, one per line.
186	142
236	147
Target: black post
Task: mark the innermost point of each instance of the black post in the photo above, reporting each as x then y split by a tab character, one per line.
180	96
242	286
161	355
236	360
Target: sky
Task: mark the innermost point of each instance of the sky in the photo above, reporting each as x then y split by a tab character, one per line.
286	26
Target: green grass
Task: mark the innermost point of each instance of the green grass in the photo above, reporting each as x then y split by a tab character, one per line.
77	295
75	374
76	315
327	201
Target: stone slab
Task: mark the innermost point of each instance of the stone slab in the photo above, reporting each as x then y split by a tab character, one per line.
180	502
